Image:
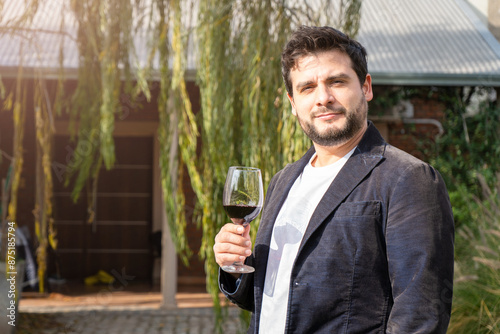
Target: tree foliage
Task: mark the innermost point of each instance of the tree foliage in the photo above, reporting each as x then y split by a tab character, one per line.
470	146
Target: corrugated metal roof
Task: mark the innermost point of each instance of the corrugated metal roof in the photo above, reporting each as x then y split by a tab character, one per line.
439	42
38	46
414	41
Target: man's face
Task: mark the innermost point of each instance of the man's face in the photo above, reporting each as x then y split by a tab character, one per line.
328	99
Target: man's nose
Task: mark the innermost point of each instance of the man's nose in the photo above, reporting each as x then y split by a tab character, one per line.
324	96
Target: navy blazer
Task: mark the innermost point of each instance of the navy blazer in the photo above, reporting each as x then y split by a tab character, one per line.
377	255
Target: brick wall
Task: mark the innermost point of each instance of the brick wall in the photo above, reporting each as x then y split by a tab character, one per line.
410	136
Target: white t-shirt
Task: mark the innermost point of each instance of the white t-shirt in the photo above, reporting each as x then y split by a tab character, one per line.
288	230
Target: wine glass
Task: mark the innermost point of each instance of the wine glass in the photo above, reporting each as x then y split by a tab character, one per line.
242	200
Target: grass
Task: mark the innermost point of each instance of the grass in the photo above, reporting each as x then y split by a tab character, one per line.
476	301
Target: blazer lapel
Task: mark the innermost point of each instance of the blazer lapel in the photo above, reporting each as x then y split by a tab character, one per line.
368	154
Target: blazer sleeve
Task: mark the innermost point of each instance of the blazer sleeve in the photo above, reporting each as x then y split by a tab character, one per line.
420	252
238	291
241	291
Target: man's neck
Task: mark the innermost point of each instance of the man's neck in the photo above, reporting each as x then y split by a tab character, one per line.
327	155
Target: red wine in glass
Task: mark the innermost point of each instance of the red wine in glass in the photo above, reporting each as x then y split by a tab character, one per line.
242	213
242	200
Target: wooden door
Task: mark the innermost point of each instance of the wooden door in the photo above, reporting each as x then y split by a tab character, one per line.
118	240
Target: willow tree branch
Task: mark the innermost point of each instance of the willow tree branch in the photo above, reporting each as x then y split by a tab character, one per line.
17	29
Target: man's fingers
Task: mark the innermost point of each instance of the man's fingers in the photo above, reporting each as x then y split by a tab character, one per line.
233	228
232	249
231	238
224	259
233	234
230	246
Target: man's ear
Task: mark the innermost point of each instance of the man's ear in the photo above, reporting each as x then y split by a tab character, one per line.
294	111
367	88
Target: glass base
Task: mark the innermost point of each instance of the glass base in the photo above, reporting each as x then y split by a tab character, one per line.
238	268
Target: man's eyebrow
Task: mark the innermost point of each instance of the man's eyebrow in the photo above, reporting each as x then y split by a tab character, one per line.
342	76
304	84
338	76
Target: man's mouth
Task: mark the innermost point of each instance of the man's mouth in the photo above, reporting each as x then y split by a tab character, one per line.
328	115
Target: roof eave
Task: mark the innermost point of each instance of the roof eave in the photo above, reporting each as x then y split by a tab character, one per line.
435	79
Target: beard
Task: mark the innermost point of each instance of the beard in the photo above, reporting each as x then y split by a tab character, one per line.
333	136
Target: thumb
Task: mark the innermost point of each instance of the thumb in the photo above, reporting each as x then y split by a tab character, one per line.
246	233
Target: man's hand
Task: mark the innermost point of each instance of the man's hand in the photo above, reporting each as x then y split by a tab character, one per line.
232	244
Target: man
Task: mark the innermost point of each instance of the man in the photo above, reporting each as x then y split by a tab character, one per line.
356	236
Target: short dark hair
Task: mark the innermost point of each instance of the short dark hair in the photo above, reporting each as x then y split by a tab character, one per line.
308	40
